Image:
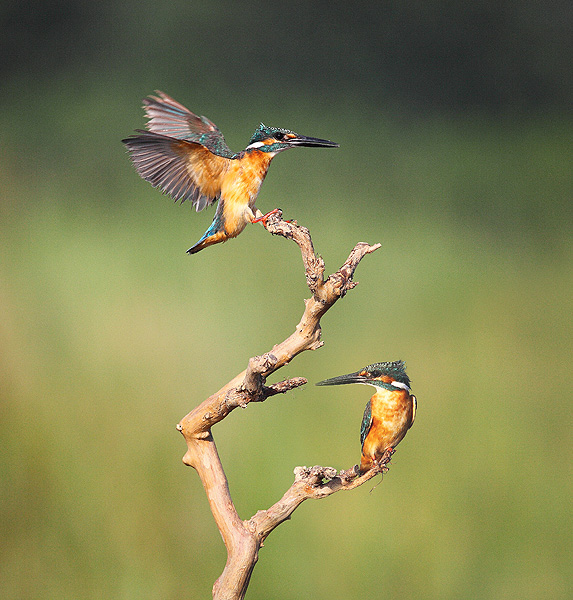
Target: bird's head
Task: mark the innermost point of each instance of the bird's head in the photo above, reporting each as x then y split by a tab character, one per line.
273	139
389	375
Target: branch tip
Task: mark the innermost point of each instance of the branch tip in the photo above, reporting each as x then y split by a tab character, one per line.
284	386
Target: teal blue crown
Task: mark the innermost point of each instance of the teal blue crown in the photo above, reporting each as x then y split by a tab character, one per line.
263	132
396	370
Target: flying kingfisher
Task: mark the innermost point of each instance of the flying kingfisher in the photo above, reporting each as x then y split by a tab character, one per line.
186	157
389	413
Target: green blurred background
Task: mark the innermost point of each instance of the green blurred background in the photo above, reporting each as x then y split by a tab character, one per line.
455	130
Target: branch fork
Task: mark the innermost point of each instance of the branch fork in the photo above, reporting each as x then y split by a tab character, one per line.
244	538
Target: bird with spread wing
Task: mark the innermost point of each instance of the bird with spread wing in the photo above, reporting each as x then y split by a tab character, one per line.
186	157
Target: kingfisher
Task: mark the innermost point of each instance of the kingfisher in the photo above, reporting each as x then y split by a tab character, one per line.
389	413
187	158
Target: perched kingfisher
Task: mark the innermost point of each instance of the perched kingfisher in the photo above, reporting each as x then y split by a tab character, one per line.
186	157
389	413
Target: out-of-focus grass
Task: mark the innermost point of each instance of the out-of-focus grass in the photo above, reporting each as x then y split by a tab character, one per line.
110	334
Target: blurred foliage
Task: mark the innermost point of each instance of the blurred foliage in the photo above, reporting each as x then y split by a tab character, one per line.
483	54
455	155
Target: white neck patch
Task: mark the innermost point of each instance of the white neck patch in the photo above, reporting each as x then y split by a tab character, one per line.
254	145
396	384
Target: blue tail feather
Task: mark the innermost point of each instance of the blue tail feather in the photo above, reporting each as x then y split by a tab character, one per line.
216	226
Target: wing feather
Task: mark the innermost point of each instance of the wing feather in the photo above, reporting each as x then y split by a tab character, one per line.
366	422
414	408
169	117
183	169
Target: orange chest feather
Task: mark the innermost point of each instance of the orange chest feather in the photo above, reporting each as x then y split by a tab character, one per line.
241	183
392	414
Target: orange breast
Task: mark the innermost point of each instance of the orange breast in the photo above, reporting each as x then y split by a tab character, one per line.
240	188
392	414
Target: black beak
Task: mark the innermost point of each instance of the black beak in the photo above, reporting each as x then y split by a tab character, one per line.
344	379
309	142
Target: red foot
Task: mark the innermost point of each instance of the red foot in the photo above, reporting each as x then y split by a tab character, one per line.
264	218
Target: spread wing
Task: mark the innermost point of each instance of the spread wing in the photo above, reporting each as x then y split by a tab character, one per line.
168	117
184	170
366	422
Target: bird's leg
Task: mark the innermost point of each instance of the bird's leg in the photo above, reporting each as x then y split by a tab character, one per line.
388	454
380	463
263	218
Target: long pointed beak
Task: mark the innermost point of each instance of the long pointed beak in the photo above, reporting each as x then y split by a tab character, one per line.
344	379
310	142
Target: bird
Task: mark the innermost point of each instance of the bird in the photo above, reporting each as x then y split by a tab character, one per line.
187	158
389	413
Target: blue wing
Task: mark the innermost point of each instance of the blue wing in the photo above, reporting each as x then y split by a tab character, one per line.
366	423
168	117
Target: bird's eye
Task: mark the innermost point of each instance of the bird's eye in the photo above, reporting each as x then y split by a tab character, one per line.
279	136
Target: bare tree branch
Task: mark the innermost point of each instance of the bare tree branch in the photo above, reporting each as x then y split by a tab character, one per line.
311	483
244	538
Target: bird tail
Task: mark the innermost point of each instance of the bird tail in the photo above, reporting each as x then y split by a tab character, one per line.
215	234
205	242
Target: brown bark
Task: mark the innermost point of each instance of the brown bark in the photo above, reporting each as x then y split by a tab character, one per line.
244	538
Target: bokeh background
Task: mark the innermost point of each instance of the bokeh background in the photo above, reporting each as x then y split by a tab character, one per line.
455	127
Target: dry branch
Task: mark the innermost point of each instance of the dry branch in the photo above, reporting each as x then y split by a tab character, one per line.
311	483
244	538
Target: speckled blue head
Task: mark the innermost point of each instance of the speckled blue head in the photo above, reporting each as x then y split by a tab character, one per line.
388	375
274	139
263	133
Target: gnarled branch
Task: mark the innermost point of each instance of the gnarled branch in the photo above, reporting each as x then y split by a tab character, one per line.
311	483
244	538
